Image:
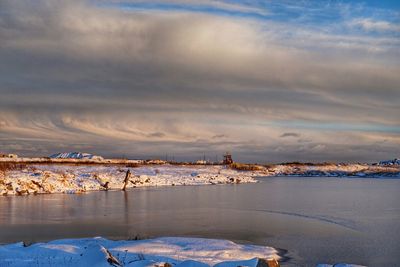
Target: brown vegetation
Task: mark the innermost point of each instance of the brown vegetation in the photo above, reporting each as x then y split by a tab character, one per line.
297	163
10	166
132	165
246	167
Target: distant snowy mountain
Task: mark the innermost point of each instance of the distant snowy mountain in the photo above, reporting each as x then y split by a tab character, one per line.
390	162
75	155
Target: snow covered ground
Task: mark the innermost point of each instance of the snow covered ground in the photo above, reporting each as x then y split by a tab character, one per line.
62	178
334	170
139	253
160	252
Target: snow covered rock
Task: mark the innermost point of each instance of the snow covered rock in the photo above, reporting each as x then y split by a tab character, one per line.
57	178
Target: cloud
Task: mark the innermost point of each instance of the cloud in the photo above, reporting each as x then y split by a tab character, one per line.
148	80
369	24
217	136
191	5
290	135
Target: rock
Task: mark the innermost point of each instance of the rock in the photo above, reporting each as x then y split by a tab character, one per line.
267	263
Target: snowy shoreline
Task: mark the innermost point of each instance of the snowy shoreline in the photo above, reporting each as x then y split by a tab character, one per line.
333	170
75	176
65	178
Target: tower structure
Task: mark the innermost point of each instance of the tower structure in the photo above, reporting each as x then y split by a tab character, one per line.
228	158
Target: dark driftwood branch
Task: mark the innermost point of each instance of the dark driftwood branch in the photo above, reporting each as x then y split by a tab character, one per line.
111	259
126	180
37	184
104	185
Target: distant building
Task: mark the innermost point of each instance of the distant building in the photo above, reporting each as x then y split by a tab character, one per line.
11	156
201	162
228	158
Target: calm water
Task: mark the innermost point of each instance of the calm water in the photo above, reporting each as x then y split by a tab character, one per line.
314	219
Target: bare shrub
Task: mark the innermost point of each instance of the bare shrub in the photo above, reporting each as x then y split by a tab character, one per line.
132	165
10	166
246	167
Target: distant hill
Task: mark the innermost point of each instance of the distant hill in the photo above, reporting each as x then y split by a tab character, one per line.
390	162
75	155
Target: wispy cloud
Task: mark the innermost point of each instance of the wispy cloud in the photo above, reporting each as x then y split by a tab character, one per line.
369	24
208	6
290	135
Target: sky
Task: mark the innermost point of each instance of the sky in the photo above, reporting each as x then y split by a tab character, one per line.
269	81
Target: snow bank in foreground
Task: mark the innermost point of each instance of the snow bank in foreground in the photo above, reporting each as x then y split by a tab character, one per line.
158	252
56	178
184	252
